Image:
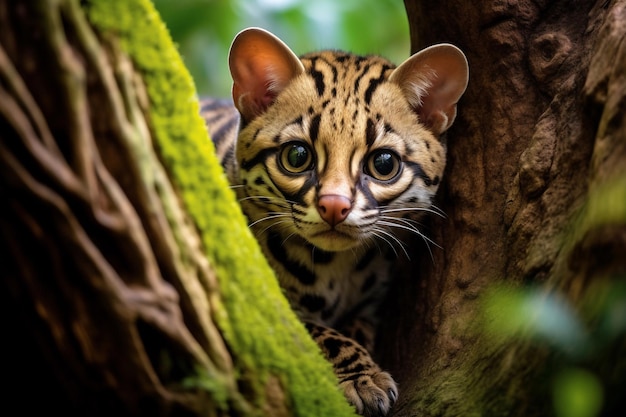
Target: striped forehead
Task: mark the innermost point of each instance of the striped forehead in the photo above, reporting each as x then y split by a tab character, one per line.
344	84
338	122
359	75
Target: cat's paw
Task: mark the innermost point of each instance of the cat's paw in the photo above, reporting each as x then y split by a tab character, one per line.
372	394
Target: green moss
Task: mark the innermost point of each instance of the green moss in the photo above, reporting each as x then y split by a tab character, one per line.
256	320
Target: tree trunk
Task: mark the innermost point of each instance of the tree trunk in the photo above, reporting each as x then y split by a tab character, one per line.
535	197
130	283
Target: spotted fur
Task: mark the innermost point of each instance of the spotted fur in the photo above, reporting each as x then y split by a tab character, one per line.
335	152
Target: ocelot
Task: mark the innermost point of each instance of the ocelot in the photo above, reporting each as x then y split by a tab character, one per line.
333	157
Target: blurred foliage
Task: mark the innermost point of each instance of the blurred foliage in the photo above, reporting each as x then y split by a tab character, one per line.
204	29
587	364
577	393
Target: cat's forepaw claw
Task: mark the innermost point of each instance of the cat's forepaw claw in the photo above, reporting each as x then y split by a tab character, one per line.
371	394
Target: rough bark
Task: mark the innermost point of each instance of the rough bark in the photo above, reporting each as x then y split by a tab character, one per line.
89	254
114	230
534	196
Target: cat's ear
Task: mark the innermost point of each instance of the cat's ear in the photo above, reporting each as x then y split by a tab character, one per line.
261	66
433	80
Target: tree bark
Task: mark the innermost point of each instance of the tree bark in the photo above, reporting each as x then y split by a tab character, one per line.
535	197
124	286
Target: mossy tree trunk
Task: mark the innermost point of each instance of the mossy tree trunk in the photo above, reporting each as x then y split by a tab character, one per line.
130	283
535	197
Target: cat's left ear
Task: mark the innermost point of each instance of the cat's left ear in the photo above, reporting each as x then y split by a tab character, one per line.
261	66
433	80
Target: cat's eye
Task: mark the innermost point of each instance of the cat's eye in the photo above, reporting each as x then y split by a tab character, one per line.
383	165
296	157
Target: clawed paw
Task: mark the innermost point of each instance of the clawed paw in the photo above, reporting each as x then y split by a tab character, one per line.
371	394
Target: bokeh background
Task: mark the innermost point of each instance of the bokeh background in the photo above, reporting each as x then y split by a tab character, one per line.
204	29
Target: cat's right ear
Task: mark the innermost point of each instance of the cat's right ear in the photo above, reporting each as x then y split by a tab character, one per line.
433	80
261	66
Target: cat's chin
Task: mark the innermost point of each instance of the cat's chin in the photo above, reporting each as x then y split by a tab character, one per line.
332	241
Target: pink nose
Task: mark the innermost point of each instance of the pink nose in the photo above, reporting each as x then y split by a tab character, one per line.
334	208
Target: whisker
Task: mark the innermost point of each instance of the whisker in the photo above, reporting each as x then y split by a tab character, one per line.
374	241
413	229
265	197
272	216
442	213
410	228
288	236
412	223
384	239
277	201
395	239
436	212
274	224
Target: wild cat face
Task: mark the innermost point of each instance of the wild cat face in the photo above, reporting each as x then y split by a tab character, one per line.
338	148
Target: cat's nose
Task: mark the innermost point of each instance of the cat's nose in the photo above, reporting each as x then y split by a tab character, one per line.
334	208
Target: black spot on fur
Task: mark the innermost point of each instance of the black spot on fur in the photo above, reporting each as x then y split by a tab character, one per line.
320	256
298	211
333	346
370	132
315	127
318	77
299	271
357	82
348	361
419	172
218	136
363	186
374	83
297	197
260	157
312	302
